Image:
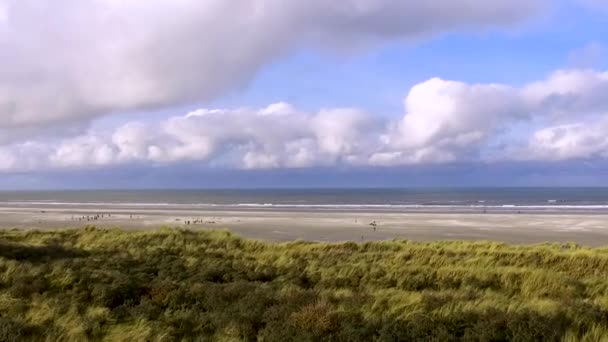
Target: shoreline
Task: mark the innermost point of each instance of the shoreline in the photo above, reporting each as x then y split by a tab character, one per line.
344	208
278	224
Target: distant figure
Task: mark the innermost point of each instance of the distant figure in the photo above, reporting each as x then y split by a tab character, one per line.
374	225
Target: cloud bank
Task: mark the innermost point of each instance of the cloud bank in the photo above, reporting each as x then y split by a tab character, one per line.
66	63
70	60
566	116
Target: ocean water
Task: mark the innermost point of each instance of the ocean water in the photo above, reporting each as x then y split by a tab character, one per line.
455	198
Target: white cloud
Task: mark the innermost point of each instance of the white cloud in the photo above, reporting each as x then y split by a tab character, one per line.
275	136
3	13
568	93
69	60
450	121
571	141
444	121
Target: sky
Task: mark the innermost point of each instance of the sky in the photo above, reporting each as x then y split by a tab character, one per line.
289	93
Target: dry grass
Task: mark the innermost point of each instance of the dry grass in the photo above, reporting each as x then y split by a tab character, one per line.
171	285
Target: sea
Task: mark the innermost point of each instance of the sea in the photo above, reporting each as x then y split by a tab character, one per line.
402	199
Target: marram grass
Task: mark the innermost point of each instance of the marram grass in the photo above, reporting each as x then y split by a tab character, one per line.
178	285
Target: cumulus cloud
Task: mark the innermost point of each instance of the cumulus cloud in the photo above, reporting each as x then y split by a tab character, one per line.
570	141
276	136
443	121
568	93
69	60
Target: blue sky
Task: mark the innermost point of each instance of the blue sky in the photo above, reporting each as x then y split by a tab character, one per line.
526	53
314	94
381	77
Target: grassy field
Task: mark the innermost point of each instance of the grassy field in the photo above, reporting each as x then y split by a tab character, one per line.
172	285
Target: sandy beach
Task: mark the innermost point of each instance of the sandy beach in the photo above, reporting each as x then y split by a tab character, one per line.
324	225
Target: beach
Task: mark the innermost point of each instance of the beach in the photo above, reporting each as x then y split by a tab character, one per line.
324	224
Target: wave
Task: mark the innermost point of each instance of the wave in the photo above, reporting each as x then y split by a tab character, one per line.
480	205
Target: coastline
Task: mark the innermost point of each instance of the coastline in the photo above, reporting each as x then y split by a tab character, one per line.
328	224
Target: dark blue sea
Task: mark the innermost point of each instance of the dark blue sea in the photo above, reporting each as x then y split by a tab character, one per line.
590	198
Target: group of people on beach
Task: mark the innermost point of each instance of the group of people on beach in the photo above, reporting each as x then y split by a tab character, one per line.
91	217
198	221
96	217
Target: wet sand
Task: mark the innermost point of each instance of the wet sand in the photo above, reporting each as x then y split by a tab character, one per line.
325	225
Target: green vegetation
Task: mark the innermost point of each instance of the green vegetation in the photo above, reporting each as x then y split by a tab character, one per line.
169	285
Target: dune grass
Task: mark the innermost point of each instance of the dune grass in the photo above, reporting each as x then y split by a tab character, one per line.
173	285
